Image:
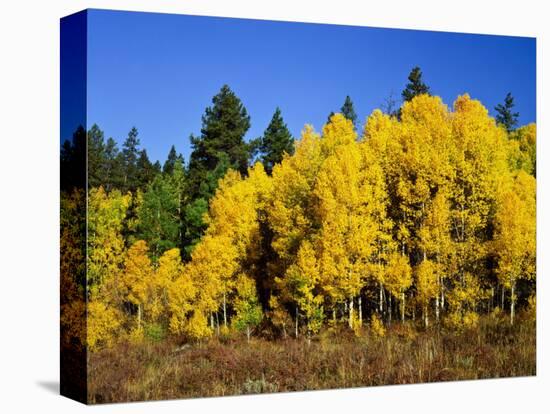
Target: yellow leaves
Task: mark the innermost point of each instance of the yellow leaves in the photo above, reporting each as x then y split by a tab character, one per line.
433	188
398	276
426	281
376	326
515	233
103	324
106	213
339	131
138	274
197	328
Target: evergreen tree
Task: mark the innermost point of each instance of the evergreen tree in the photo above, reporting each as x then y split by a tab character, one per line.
505	116
330	116
416	85
157	167
113	166
173	157
275	142
224	125
130	155
73	161
158	220
145	170
96	157
349	112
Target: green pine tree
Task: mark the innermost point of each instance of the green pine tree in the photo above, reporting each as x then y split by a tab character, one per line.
224	125
130	154
173	157
349	111
276	141
96	157
416	85
145	170
113	166
505	116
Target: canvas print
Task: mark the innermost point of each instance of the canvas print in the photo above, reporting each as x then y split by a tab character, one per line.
256	206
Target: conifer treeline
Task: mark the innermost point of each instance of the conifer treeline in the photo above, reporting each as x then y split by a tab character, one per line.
428	215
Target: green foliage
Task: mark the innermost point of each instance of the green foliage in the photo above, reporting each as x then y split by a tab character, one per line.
173	158
158	215
416	85
275	142
224	125
505	115
426	213
349	111
130	155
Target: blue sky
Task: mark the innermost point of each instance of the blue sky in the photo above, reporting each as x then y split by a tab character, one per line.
158	72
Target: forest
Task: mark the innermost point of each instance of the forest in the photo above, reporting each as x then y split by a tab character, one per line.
418	226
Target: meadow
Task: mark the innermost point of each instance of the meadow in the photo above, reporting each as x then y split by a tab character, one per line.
338	358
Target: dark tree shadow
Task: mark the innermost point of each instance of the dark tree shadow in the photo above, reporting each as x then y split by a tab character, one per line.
51	386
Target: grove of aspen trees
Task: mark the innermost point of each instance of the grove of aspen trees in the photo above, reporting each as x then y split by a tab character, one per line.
425	215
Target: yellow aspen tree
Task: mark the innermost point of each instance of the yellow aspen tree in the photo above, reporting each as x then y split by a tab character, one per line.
168	300
290	214
352	200
436	246
212	269
523	149
480	164
106	213
236	213
515	235
105	256
103	325
398	279
427	286
301	281
290	211
138	280
181	298
248	312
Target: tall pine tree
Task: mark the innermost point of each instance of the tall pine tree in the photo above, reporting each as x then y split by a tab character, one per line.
416	85
275	142
173	158
96	157
505	116
224	125
145	170
349	111
130	154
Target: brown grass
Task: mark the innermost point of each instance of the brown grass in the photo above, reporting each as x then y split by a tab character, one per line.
336	359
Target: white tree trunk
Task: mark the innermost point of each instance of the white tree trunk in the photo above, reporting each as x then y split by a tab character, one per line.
437	307
426	322
351	313
224	311
402	306
512	302
380	300
360	310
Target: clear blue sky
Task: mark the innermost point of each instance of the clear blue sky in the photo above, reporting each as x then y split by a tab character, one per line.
158	72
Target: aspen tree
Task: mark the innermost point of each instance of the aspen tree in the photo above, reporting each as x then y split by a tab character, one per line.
515	238
138	280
